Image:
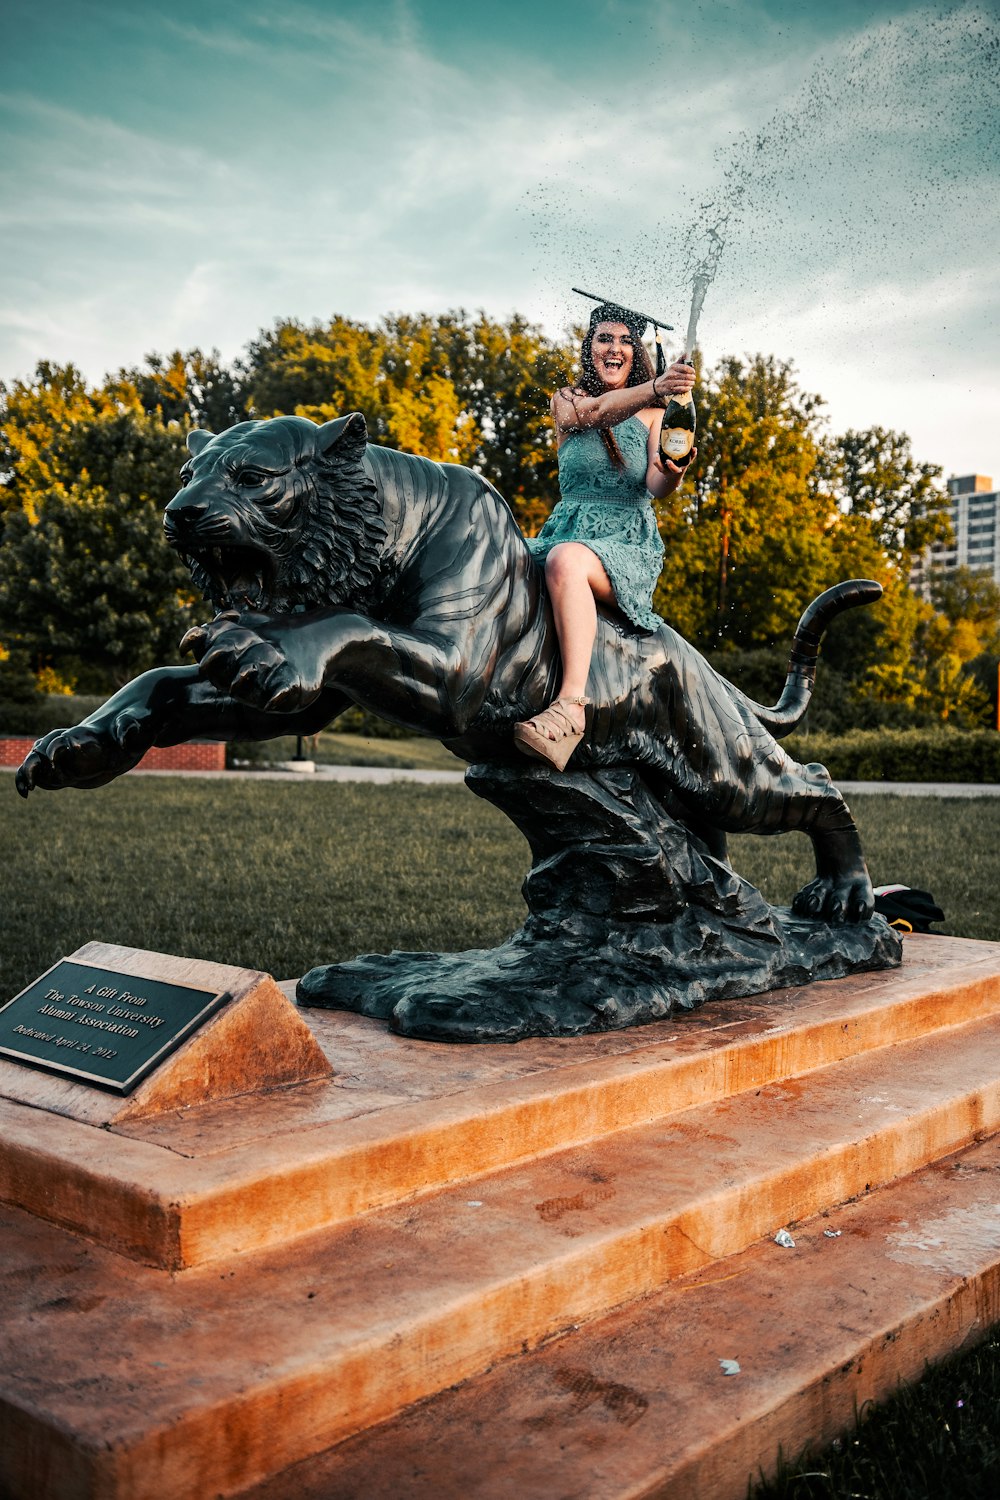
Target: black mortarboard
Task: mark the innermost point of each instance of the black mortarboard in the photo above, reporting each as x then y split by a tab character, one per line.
906	909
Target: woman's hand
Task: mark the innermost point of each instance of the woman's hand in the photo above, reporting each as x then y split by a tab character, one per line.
667	465
664	477
676	380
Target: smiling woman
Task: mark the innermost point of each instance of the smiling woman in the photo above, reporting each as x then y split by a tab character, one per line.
601	544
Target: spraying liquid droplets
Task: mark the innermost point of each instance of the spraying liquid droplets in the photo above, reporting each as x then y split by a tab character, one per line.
884	148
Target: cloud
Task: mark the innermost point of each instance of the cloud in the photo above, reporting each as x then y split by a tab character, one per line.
233	165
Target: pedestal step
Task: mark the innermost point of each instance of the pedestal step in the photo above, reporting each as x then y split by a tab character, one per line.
209	1381
401	1119
638	1404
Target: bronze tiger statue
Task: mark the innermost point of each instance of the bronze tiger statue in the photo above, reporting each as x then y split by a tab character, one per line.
343	573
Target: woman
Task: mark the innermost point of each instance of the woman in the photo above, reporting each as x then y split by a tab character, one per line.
601	545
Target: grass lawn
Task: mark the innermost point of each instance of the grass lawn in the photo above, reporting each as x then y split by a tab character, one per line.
282	877
936	1440
256	873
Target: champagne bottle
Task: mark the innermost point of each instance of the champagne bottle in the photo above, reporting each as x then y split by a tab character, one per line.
677	432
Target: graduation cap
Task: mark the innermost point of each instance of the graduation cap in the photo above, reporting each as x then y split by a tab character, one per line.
907	910
610	311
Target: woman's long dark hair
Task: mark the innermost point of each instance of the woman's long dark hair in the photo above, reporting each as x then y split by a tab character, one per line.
591	384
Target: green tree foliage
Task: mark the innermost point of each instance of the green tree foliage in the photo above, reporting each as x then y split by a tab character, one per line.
192	389
751	537
873	475
87	581
968	598
505	374
91	584
37	418
960	646
774	512
58	432
390	374
18	683
317	371
969	601
455	388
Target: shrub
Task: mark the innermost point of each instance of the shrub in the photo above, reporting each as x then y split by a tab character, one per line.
903	754
51	711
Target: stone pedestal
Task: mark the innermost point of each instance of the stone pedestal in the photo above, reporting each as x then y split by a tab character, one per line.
466	1272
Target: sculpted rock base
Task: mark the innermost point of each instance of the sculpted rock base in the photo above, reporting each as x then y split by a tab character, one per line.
631	918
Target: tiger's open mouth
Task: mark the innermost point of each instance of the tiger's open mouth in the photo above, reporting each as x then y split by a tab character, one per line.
232	577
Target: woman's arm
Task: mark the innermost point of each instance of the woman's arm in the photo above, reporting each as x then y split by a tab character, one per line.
573	412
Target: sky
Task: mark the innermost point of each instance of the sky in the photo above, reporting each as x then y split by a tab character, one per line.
183	175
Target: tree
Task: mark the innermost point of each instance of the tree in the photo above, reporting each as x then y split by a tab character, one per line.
36	419
192	389
873	474
776	512
421	407
87	582
58	433
314	370
93	585
969	596
454	388
389	374
505	374
750	539
926	661
18	683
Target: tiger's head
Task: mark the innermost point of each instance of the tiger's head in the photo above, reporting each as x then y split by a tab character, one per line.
279	515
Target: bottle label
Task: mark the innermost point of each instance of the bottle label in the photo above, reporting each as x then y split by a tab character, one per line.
676	442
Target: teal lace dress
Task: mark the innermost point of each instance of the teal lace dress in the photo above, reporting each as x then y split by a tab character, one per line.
609	510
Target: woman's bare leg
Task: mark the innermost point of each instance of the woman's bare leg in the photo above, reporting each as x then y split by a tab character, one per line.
575	579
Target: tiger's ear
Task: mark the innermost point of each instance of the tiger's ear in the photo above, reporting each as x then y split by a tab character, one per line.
349	435
197	439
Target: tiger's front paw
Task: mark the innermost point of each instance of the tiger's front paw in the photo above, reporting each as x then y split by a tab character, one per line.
88	755
252	658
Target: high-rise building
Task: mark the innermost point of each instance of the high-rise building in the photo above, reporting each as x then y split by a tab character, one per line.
975	520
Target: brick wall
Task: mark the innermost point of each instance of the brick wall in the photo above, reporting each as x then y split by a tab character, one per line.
201	755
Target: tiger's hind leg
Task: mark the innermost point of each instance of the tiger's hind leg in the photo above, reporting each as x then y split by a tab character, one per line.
841	890
773	794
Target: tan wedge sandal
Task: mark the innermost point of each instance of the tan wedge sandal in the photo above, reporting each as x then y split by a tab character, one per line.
558	745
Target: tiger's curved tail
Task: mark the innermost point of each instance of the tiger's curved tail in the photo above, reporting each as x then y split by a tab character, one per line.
787	713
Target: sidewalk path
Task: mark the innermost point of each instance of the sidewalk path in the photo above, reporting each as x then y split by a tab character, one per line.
921	788
384	774
381	774
321	773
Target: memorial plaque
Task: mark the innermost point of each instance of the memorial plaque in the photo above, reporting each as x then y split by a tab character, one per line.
101	1026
